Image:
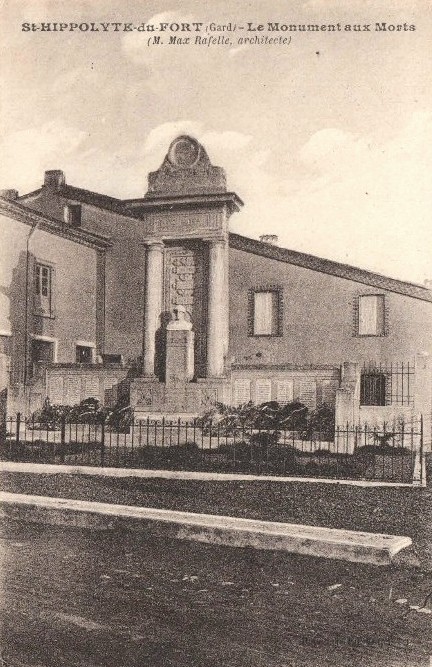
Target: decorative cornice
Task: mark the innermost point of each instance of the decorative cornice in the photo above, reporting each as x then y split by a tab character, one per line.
157	202
286	367
329	267
29	216
134	208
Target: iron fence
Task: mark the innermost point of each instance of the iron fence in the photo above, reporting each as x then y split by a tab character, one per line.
394	452
387	384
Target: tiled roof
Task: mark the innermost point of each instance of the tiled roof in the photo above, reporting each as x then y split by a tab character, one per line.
17	211
87	197
126	208
328	266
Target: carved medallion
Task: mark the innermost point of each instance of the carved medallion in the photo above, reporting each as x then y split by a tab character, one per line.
184	152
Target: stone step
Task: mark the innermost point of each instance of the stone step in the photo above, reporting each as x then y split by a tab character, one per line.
317	541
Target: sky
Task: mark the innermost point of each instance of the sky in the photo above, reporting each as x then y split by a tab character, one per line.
327	140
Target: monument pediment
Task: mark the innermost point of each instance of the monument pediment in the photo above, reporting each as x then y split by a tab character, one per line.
186	170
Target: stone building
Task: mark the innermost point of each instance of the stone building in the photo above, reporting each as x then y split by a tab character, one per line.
91	283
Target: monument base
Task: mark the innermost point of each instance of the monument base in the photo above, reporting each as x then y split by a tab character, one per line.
185	400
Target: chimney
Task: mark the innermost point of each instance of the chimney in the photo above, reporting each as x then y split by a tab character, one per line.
9	194
54	178
72	215
272	239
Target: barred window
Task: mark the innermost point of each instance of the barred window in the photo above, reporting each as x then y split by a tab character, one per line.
391	384
373	389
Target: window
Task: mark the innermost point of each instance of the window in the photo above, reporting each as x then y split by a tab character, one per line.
42	352
266	312
5	344
72	214
43	290
371	315
84	354
391	384
373	389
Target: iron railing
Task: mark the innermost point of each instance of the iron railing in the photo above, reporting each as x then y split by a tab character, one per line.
394	452
387	384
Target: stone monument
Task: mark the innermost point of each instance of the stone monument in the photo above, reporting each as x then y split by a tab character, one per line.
184	217
179	360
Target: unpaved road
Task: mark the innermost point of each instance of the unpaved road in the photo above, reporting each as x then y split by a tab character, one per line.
80	598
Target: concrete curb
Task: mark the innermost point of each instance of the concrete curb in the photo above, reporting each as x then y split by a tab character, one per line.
48	468
353	546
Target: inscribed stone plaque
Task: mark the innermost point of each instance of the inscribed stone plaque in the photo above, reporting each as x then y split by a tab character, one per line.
329	392
262	391
242	392
55	389
91	387
284	391
109	382
307	393
186	285
73	390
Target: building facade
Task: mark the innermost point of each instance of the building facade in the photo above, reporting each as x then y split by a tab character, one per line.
90	284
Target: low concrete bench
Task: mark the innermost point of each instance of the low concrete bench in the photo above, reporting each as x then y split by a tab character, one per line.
213	529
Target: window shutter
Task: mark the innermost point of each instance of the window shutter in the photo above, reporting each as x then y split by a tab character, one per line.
371	315
265	313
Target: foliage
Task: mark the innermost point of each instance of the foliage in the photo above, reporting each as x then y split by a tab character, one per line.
321	423
50	416
271	417
89	411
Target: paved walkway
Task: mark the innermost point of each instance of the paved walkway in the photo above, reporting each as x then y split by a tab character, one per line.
55	469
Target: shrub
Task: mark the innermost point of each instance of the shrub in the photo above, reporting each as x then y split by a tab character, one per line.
88	411
50	416
321	423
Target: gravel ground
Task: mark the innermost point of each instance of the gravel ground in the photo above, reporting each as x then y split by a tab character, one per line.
401	511
81	598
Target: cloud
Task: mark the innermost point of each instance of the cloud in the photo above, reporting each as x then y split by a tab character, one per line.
348	196
161	136
356	197
225	141
26	154
224	147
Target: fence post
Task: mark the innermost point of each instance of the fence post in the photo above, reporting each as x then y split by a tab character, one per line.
103	444
18	424
62	438
422	453
419	471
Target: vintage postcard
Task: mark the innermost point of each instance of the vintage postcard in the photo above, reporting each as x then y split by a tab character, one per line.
216	333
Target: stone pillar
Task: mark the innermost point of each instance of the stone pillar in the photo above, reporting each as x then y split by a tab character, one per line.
422	410
347	408
217	327
423	385
152	304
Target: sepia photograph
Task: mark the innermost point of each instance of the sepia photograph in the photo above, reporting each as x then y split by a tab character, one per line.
215	333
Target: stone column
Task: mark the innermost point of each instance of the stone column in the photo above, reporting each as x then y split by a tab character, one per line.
217	326
347	408
152	304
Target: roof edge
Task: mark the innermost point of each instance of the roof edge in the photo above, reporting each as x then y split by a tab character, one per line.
30	216
330	267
